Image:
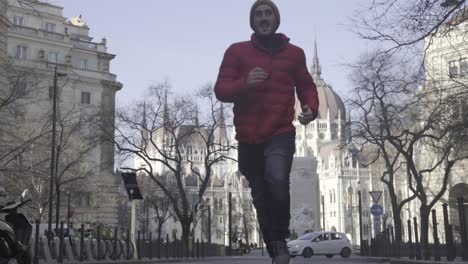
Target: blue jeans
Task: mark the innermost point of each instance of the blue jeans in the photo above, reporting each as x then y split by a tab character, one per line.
267	167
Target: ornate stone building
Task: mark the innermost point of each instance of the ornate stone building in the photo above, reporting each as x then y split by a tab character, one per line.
39	41
446	72
225	179
333	171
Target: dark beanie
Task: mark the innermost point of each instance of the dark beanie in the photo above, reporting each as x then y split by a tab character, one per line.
266	2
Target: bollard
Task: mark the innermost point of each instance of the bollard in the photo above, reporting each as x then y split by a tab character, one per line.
159	246
392	241
187	248
388	242
98	242
82	243
114	245
36	243
198	248
449	247
203	248
139	245
128	244
461	215
61	244
452	249
436	236
410	242
150	247
416	240
193	247
167	245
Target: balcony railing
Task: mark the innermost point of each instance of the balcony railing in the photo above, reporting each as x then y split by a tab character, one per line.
84	44
52	35
25	30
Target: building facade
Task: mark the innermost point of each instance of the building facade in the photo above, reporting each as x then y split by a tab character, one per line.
446	72
225	182
41	41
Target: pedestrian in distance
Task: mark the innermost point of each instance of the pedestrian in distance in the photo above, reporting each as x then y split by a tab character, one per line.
262	77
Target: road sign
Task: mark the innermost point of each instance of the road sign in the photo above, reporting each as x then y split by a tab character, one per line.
376	196
377	224
376	210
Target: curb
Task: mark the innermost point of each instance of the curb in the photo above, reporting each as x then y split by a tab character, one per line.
407	261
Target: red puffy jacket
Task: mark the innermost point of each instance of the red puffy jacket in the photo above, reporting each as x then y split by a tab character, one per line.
267	109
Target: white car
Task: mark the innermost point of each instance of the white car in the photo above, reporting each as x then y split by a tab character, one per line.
320	243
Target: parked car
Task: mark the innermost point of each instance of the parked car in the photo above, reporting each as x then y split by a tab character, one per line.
326	243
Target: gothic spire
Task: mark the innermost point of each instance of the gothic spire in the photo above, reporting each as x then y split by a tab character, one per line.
197	123
144	129
166	111
222	133
316	68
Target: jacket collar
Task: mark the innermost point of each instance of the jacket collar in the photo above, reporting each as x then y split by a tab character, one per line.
282	37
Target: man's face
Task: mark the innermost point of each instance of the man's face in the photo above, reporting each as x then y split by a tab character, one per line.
264	20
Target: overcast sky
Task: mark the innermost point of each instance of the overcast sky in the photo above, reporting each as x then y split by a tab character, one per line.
184	41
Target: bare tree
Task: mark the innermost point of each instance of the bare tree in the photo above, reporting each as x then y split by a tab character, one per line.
398	120
173	146
399	25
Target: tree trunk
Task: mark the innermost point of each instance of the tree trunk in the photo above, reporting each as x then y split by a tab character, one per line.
398	226
425	232
57	210
185	224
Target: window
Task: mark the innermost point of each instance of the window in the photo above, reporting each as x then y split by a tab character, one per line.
322	237
20	88
50	27
453	68
18	21
53	57
220	219
21	52
335	236
84	64
85	98
463	67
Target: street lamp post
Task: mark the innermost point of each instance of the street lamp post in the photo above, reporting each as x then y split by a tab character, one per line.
360	218
52	159
323	212
209	224
230	222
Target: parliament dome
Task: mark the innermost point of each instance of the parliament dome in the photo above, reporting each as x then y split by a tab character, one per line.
330	101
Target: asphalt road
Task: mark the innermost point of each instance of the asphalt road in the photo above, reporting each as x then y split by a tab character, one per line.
256	258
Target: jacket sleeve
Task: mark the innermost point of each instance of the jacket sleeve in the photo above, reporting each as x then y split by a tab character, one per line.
305	86
230	85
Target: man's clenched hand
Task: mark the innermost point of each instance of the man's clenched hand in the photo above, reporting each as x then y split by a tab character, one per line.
256	75
307	115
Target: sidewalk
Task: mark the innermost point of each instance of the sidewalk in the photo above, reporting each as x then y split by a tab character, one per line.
411	261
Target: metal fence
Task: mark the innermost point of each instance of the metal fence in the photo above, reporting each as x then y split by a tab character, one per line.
384	244
95	247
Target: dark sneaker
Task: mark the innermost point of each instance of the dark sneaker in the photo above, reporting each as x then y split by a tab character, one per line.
280	252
